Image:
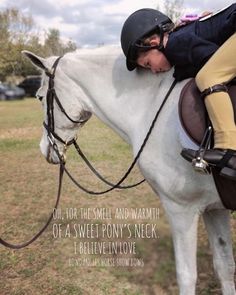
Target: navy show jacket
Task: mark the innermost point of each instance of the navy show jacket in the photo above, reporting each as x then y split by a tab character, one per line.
189	47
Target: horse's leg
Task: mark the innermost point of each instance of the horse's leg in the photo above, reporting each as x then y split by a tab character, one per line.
218	226
184	223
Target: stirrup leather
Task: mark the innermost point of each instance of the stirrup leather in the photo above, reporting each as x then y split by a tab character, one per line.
198	163
214	88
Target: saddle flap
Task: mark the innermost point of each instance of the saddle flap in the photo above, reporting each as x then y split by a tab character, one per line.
194	119
192	112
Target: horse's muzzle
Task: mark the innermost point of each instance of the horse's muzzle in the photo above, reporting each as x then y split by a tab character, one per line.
50	154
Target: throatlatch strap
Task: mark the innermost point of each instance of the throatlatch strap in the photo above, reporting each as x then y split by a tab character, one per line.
215	88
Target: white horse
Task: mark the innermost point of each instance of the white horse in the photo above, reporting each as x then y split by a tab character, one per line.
96	81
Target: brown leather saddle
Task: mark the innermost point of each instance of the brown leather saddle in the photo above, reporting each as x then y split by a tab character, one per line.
192	111
194	120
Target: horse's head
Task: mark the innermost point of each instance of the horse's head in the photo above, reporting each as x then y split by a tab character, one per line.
63	110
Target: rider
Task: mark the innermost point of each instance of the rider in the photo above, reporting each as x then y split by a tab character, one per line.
204	49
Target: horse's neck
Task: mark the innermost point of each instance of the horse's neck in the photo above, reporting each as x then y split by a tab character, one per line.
126	101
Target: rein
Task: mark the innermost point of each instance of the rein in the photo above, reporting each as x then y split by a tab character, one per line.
96	173
23	245
117	185
50	127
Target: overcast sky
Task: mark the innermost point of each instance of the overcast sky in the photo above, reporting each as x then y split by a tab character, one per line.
92	22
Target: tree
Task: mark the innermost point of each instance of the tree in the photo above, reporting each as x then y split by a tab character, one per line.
15	34
14	28
18	33
54	45
172	8
70	46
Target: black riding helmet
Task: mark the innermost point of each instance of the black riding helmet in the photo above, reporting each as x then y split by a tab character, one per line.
138	25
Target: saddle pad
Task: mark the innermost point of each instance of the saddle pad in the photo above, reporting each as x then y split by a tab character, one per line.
194	120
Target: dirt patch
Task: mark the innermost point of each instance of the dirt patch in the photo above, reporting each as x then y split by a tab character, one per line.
20	133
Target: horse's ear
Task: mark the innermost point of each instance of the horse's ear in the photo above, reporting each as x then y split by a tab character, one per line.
36	60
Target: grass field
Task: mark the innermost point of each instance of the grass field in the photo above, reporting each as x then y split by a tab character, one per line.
52	265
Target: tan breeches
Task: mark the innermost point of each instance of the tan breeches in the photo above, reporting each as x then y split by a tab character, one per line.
221	68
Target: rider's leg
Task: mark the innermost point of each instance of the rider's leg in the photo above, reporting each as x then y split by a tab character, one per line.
221	68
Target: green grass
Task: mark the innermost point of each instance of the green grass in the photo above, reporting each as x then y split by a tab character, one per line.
24	113
13	145
28	187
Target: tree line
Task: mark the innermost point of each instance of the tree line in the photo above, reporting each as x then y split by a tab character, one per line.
18	32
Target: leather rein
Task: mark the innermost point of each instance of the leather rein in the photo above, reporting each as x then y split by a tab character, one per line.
53	137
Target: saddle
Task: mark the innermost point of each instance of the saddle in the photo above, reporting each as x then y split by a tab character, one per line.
192	111
194	120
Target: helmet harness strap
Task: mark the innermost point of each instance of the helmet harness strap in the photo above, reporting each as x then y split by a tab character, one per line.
159	47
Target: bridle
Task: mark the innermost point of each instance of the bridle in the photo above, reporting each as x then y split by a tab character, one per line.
53	137
51	96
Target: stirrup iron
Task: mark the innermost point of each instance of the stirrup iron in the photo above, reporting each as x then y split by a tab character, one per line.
199	164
